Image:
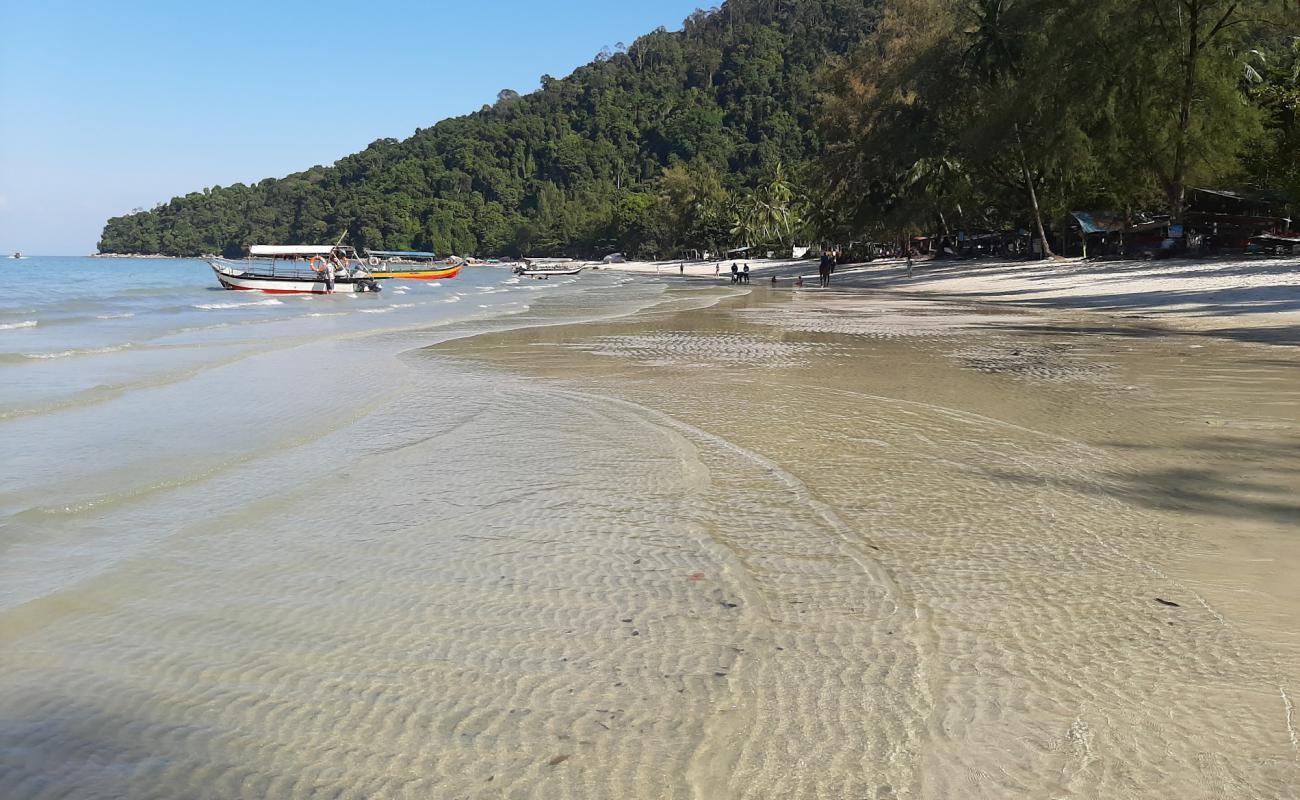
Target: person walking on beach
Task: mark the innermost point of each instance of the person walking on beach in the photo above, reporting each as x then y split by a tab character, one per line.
735	273
746	273
909	262
681	268
824	271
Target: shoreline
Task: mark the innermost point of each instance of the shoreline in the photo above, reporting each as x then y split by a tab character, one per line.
1247	298
795	544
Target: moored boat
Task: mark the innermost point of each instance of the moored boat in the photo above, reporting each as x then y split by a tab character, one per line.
415	266
328	270
529	270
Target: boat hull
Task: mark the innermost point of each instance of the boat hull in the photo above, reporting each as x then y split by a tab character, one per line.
442	273
548	273
240	280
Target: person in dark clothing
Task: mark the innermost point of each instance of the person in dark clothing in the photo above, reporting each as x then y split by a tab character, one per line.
746	273
824	271
735	273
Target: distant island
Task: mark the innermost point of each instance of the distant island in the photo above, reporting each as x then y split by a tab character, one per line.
772	123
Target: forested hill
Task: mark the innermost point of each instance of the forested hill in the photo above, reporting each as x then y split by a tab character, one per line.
577	167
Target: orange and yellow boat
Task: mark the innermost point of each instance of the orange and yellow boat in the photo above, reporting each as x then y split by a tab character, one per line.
412	266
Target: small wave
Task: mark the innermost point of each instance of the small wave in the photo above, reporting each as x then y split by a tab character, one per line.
434	283
455	298
399	291
270	301
376	310
11	326
87	352
127	315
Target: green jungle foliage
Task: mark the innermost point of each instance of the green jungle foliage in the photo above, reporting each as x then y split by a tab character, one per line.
647	150
994	114
766	122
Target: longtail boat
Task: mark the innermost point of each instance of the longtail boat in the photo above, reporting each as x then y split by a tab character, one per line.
296	269
414	266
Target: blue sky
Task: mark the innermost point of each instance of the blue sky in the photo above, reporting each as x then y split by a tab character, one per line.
109	106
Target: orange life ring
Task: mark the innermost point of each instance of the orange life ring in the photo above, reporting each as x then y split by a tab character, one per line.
318	264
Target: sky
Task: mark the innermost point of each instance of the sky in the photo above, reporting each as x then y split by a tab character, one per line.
107	106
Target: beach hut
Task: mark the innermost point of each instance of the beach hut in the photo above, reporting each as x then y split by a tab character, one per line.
1226	219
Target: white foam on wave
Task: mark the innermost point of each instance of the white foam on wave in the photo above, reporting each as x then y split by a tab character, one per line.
270	301
127	315
455	298
87	352
13	326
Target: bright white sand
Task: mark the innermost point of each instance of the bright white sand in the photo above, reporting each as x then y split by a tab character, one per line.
1258	294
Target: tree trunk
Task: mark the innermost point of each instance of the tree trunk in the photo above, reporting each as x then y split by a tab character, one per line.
1178	180
1033	197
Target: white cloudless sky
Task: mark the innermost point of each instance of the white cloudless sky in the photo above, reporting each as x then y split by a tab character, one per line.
110	106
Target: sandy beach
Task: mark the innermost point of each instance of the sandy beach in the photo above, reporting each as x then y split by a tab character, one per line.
942	550
1253	298
619	537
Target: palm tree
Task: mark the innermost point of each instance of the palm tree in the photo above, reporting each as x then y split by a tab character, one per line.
994	54
770	213
933	179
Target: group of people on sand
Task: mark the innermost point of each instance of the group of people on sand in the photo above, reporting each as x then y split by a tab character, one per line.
826	268
738	275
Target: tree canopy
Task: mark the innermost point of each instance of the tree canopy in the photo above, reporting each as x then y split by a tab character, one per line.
997	114
646	150
767	121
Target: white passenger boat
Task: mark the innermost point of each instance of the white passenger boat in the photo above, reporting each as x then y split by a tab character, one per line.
530	270
296	269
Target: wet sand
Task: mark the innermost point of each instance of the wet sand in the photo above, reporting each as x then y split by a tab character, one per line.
734	545
972	553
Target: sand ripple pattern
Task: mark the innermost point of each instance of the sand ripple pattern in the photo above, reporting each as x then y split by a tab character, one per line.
609	583
682	349
1051	652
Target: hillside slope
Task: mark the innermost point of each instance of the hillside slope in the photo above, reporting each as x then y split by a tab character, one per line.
567	169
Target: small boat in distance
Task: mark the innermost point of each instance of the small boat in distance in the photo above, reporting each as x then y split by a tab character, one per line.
547	269
296	269
414	266
16	255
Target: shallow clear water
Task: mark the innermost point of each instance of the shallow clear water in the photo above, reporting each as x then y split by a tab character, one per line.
700	545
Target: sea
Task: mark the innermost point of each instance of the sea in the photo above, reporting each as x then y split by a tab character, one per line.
607	536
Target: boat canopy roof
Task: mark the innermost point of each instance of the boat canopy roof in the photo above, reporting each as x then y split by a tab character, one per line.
291	249
400	254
